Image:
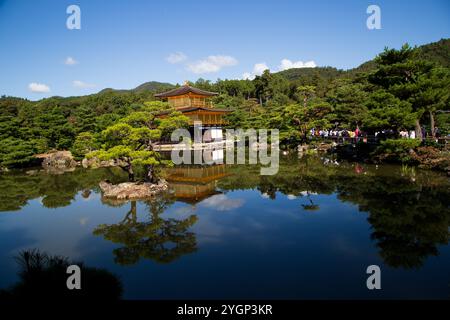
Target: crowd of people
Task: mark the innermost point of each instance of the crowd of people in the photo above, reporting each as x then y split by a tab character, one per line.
412	133
336	133
383	134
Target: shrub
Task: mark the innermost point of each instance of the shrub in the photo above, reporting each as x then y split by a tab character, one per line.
430	143
17	152
396	150
84	143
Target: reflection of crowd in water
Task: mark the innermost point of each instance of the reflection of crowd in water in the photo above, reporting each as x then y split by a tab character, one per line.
328	161
333	162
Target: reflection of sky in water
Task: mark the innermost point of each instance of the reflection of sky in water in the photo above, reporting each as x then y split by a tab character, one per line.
249	246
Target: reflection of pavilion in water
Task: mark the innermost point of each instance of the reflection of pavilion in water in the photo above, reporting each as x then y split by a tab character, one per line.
194	183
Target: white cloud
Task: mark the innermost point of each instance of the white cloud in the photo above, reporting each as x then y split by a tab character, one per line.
83	221
212	64
307	193
248	76
285	64
258	70
70	61
38	87
288	64
83	85
221	202
176	57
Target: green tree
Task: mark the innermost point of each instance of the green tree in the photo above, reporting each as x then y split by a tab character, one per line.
130	142
16	152
306	93
348	100
433	93
399	73
387	112
84	143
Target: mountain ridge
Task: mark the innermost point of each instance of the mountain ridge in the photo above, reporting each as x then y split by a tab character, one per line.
438	52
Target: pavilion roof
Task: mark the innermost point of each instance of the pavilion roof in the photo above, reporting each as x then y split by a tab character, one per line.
190	109
184	90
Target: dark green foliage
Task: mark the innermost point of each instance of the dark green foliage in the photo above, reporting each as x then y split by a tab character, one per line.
130	140
84	143
16	152
349	101
406	88
27	128
396	149
386	111
439	52
43	277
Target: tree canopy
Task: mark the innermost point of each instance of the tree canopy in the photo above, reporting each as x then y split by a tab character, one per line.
130	140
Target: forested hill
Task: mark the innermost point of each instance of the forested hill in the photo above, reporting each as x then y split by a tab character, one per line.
327	73
154	86
438	52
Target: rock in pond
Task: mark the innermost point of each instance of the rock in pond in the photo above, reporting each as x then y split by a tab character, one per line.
132	190
95	162
57	159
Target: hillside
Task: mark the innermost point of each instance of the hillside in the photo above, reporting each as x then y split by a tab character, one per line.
153	86
438	52
295	74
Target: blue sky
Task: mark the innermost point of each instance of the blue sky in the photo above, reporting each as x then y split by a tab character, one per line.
122	44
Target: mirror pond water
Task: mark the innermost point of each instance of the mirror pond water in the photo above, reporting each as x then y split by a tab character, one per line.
225	231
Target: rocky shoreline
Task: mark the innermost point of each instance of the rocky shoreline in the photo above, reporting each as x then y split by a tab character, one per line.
425	157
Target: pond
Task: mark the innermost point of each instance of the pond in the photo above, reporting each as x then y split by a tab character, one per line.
224	231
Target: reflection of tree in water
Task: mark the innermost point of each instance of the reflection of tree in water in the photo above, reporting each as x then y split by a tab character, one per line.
42	276
408	209
409	220
409	217
162	240
311	206
17	187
